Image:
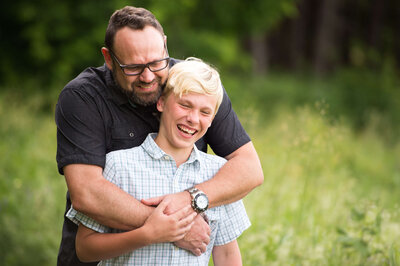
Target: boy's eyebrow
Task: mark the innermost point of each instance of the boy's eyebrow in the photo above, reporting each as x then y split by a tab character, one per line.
188	101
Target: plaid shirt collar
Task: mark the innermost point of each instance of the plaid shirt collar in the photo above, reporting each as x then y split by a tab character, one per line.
151	147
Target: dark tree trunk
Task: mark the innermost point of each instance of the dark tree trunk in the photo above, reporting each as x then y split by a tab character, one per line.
299	36
259	51
325	46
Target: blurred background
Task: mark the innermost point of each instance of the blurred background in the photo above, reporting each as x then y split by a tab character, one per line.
315	83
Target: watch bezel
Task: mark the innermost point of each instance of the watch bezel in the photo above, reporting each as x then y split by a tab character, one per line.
195	193
196	199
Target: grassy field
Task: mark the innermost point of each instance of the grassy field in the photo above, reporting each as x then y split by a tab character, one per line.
330	197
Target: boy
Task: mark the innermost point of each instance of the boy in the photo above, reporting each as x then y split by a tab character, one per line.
166	163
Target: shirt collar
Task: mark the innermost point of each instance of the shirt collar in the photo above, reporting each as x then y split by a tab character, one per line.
151	147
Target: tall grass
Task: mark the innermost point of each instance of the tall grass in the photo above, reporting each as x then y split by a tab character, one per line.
31	190
330	195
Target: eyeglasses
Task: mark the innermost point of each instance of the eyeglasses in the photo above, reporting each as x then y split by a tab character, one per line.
137	69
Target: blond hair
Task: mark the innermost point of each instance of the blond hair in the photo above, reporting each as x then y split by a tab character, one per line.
194	75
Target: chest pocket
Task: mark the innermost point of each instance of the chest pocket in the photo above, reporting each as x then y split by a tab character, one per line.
125	137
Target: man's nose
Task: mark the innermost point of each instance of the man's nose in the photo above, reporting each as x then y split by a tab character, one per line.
147	76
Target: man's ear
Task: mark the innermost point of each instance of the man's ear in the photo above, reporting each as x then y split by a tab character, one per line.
160	104
107	57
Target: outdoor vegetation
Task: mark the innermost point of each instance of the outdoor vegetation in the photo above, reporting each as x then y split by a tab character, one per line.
315	83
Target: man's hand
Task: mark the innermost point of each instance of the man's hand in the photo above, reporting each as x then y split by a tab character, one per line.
197	239
176	201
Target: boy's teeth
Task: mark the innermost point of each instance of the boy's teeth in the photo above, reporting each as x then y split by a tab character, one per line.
186	130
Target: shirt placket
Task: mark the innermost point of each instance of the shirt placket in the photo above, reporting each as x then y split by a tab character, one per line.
176	186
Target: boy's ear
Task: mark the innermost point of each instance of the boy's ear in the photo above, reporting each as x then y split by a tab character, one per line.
160	104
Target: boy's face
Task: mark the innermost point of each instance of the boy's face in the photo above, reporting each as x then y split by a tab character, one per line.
185	120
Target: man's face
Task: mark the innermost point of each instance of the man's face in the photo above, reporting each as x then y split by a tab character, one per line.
185	119
139	47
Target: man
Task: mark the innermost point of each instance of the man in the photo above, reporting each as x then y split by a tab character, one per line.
165	163
113	107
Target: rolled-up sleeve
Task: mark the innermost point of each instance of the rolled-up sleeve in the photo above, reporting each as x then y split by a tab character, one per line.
226	133
80	130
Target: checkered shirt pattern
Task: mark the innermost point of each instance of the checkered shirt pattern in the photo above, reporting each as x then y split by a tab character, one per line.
146	171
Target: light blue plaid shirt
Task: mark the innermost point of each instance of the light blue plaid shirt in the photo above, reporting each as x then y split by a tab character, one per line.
146	171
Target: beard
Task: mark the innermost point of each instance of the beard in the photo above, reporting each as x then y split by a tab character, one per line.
140	98
144	99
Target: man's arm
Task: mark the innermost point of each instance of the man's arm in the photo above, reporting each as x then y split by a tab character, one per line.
159	227
102	200
236	178
240	175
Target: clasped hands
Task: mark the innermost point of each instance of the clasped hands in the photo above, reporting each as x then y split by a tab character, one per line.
198	237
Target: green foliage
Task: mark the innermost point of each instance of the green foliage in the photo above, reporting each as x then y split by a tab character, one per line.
31	190
214	30
365	98
330	196
48	42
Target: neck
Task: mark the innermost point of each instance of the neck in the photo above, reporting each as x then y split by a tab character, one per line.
180	155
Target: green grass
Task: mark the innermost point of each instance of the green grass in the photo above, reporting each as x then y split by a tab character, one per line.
32	192
330	197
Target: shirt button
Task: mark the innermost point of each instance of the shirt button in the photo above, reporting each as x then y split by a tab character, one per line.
131	134
166	157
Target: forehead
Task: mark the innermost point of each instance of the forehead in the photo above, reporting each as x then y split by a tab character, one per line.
197	99
139	46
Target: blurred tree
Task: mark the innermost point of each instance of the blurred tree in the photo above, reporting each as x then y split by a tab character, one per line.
330	34
326	36
51	41
47	41
222	26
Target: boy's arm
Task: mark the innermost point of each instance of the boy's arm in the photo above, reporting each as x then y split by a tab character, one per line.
228	254
159	227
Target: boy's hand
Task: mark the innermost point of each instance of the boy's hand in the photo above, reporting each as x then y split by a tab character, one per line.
198	237
169	228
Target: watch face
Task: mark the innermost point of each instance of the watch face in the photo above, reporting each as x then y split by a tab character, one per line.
202	202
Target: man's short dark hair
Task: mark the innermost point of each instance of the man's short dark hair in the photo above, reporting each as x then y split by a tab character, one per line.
136	18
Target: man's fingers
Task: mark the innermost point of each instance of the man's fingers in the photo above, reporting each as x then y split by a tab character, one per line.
163	205
184	213
197	252
203	248
153	201
188	219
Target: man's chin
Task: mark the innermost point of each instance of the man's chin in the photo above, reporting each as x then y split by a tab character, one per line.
145	99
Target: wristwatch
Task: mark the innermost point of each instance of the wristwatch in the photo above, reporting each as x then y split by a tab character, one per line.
199	200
